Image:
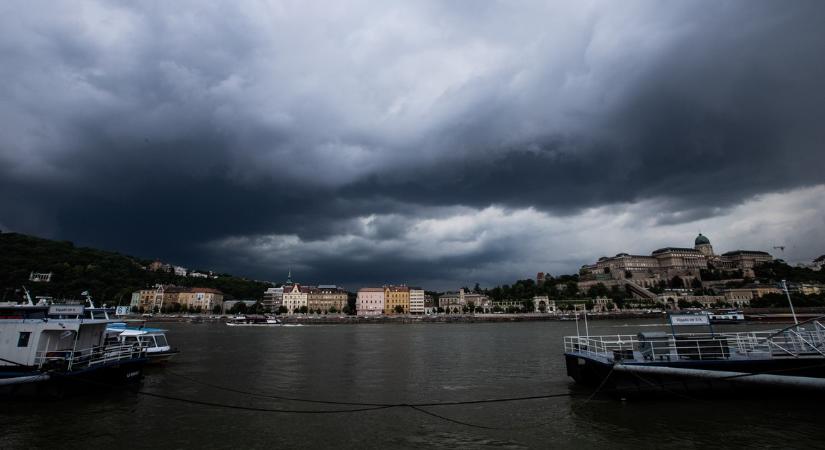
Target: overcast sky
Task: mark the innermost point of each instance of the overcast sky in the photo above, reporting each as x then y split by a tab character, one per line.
431	143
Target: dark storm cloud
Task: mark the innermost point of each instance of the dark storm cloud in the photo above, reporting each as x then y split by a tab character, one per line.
162	132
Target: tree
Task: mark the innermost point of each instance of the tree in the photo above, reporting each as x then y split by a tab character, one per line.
598	290
528	305
216	309
398	309
333	310
303	310
477	289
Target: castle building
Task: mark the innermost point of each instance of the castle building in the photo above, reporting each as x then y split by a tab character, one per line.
669	262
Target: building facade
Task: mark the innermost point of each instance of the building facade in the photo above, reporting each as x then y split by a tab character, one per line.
164	296
326	298
201	299
666	263
273	299
396	297
295	297
370	302
417	297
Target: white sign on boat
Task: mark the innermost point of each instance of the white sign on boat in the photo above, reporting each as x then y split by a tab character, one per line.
122	311
689	319
66	310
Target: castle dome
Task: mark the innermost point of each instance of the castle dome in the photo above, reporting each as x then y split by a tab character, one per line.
701	239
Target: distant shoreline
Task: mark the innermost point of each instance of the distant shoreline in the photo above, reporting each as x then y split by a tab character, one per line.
772	315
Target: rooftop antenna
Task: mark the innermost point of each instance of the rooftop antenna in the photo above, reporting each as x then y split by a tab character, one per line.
780	247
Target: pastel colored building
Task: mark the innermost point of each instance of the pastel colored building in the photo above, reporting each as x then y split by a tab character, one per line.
396	297
370	302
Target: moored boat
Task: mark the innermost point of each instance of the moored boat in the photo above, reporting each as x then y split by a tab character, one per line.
60	348
153	340
659	362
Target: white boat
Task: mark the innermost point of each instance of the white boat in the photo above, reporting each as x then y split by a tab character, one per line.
54	348
153	340
253	321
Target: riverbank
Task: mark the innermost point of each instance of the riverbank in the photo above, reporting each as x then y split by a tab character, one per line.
777	315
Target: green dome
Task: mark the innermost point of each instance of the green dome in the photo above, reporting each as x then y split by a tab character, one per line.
702	240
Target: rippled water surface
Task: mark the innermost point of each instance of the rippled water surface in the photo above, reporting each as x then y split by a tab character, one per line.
419	363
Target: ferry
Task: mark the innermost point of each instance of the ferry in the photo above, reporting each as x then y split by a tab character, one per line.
666	363
52	349
253	321
153	340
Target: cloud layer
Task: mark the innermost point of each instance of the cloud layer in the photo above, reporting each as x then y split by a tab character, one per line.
421	142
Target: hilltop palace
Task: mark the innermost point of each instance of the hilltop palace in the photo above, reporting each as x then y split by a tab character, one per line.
666	263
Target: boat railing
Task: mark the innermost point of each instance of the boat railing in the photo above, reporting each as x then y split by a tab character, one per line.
663	346
68	360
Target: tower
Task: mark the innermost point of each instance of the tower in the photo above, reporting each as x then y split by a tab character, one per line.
702	244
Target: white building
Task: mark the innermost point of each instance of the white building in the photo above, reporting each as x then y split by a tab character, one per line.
273	298
370	302
295	297
416	301
180	271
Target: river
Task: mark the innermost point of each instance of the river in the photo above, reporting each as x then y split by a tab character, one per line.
392	363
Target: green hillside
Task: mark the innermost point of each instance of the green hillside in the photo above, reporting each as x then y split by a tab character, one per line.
110	277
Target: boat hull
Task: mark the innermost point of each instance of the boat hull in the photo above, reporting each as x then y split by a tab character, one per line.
25	383
596	373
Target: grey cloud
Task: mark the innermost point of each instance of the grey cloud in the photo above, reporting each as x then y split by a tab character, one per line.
154	131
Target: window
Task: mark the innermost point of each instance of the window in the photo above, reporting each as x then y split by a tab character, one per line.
23	340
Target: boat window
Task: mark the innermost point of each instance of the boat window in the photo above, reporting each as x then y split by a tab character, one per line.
23	340
130	340
161	340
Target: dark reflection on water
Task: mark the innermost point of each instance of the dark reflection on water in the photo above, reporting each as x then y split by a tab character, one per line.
395	364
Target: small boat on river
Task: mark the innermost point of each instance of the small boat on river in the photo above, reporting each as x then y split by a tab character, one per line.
253	320
153	340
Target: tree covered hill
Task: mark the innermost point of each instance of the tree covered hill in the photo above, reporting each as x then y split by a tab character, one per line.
109	277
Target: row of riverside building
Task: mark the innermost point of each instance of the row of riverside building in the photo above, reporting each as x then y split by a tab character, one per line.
373	301
294	298
160	296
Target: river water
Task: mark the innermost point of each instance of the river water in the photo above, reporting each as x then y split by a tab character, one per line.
392	363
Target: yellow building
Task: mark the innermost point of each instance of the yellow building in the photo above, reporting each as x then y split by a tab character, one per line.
396	296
